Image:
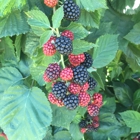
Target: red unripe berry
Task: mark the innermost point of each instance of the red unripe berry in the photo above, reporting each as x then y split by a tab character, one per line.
68	34
74	88
84	99
93	110
76	60
66	74
84	87
49	48
83	130
51	3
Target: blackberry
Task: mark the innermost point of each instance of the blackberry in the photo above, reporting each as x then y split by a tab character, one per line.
59	90
88	60
83	124
71	101
63	45
80	75
92	83
53	71
71	10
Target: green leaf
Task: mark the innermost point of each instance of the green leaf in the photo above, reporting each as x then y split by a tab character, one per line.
106	51
45	37
9	76
123	93
132	56
132	120
18	46
10	5
80	46
57	17
62	135
26	112
75	132
13	24
79	31
38	18
37	74
31	44
92	5
66	116
136	100
109	106
134	36
98	79
8	59
89	19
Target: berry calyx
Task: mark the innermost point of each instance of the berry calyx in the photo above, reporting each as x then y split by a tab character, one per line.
71	101
76	60
66	74
74	88
68	34
63	45
53	71
93	110
50	3
59	90
49	48
84	99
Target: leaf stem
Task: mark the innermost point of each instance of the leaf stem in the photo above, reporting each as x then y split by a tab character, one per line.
62	60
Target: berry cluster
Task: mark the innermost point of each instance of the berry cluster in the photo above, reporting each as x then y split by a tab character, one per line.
91	121
70	78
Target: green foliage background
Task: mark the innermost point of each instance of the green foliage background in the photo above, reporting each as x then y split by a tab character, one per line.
108	29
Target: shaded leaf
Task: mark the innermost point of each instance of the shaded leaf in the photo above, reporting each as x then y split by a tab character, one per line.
123	93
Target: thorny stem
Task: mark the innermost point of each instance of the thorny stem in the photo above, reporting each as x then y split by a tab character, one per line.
58	34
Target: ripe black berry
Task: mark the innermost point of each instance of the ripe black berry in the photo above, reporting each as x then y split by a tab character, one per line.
59	90
71	101
92	83
63	45
71	10
88	60
83	124
80	75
